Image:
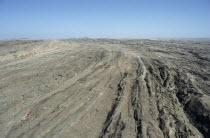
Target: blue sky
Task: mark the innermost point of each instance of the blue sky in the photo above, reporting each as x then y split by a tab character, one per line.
104	18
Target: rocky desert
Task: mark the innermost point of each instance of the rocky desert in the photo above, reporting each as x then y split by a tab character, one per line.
105	88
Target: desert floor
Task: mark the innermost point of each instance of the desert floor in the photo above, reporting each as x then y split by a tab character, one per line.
89	88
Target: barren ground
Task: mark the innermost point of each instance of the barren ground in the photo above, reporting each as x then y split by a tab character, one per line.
89	88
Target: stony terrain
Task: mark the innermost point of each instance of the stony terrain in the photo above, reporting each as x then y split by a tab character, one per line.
105	88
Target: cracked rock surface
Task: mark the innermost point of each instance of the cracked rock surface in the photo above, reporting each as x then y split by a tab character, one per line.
105	88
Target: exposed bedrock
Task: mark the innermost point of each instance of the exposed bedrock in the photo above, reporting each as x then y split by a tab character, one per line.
104	88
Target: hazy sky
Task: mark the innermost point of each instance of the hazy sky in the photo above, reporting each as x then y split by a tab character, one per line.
104	18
